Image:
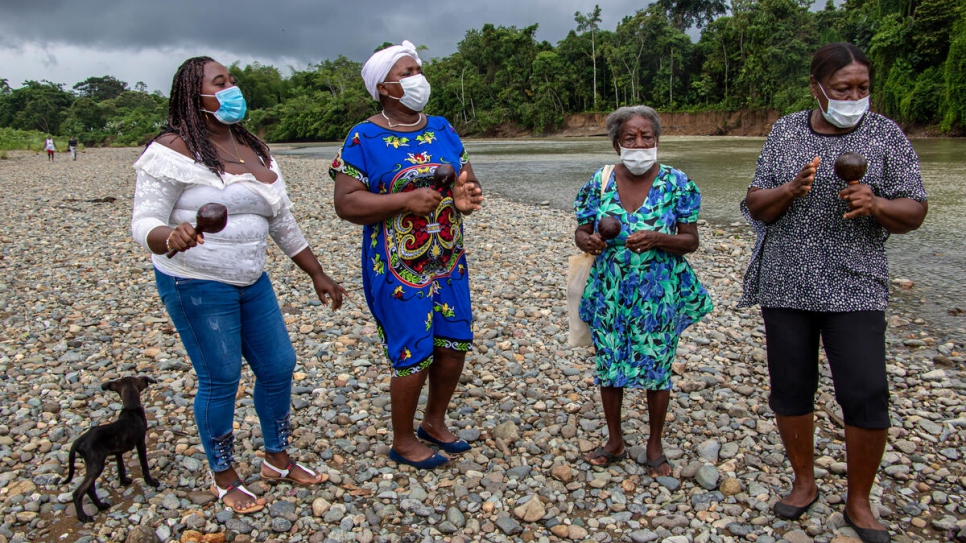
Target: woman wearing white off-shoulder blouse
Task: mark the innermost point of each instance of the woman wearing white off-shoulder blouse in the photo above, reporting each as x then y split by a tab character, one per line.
215	288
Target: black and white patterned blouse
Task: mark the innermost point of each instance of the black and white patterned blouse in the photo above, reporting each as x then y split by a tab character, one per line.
811	258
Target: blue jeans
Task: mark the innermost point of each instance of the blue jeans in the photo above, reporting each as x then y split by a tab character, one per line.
219	323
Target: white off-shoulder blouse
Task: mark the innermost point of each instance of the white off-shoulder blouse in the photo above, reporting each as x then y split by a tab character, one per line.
170	189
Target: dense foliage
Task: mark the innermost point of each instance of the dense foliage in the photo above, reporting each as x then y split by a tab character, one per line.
751	54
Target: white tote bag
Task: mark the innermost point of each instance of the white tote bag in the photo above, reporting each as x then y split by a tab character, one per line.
577	274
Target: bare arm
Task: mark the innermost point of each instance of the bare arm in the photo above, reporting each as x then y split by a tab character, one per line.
587	240
354	202
683	242
767	205
898	216
324	285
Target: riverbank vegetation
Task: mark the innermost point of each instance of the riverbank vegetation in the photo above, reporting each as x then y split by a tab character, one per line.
750	54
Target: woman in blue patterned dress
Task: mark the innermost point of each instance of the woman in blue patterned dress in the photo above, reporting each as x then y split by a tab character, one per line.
414	268
641	293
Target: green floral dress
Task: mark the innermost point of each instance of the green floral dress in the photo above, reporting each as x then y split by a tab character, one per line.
637	305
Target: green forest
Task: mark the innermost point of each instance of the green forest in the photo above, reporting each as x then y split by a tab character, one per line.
751	54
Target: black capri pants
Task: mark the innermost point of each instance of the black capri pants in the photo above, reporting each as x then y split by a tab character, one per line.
854	344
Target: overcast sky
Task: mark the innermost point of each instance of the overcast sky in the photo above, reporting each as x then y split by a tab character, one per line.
67	41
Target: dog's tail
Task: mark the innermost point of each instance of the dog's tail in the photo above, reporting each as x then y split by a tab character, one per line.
70	463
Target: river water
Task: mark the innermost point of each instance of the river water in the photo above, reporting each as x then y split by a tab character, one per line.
550	171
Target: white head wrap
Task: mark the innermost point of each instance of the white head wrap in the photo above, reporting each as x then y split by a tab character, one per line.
377	67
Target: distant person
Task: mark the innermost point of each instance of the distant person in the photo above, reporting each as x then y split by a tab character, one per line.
414	265
49	147
72	145
819	271
641	293
215	288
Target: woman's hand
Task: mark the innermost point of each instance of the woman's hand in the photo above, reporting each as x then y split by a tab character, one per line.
684	241
183	238
802	183
643	240
423	201
861	200
327	290
767	205
589	241
467	194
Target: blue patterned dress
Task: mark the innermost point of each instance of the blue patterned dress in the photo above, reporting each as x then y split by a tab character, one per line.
637	305
414	266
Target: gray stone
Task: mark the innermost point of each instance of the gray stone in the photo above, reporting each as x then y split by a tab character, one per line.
469	434
280	524
508	525
670	483
708	450
707	477
643	536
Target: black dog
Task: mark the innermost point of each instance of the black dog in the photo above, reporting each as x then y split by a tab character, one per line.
118	437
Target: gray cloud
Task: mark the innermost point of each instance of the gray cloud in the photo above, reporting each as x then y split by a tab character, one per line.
303	31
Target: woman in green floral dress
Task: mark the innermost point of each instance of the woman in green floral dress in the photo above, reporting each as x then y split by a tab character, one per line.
641	293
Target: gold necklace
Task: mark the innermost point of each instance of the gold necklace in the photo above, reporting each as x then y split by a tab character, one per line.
418	120
233	144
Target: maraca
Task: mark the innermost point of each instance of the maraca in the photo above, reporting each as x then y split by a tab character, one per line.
850	167
210	218
608	228
443	177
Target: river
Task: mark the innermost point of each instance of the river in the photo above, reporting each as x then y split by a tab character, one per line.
550	171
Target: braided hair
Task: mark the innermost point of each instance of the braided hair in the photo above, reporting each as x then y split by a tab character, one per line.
186	117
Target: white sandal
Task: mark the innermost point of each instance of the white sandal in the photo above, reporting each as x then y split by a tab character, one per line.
237	485
283	474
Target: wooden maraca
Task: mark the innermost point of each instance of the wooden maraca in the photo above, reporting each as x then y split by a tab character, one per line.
850	167
608	228
210	218
443	177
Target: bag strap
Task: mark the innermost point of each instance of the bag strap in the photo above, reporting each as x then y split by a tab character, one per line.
605	178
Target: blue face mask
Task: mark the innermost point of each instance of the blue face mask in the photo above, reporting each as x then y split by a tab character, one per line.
232	106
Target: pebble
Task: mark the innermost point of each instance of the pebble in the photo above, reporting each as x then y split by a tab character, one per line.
79	307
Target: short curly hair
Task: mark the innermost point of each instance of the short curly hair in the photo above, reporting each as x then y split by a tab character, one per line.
617	119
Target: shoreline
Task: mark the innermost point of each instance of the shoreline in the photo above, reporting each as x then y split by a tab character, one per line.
79	307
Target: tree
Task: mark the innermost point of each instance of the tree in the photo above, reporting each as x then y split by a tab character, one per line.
954	98
932	26
589	21
263	86
100	88
687	13
35	106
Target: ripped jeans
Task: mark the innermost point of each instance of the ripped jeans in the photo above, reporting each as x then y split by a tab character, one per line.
218	324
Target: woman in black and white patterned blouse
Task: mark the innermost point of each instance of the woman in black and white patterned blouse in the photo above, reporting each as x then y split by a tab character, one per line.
819	270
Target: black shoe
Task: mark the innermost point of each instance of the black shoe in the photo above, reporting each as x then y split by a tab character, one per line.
868	535
791	512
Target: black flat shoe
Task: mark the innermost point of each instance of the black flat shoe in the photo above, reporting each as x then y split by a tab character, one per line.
868	535
791	512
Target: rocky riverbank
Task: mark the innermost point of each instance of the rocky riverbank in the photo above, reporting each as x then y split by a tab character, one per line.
79	307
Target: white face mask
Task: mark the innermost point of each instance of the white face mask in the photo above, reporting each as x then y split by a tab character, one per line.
844	113
415	91
638	161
